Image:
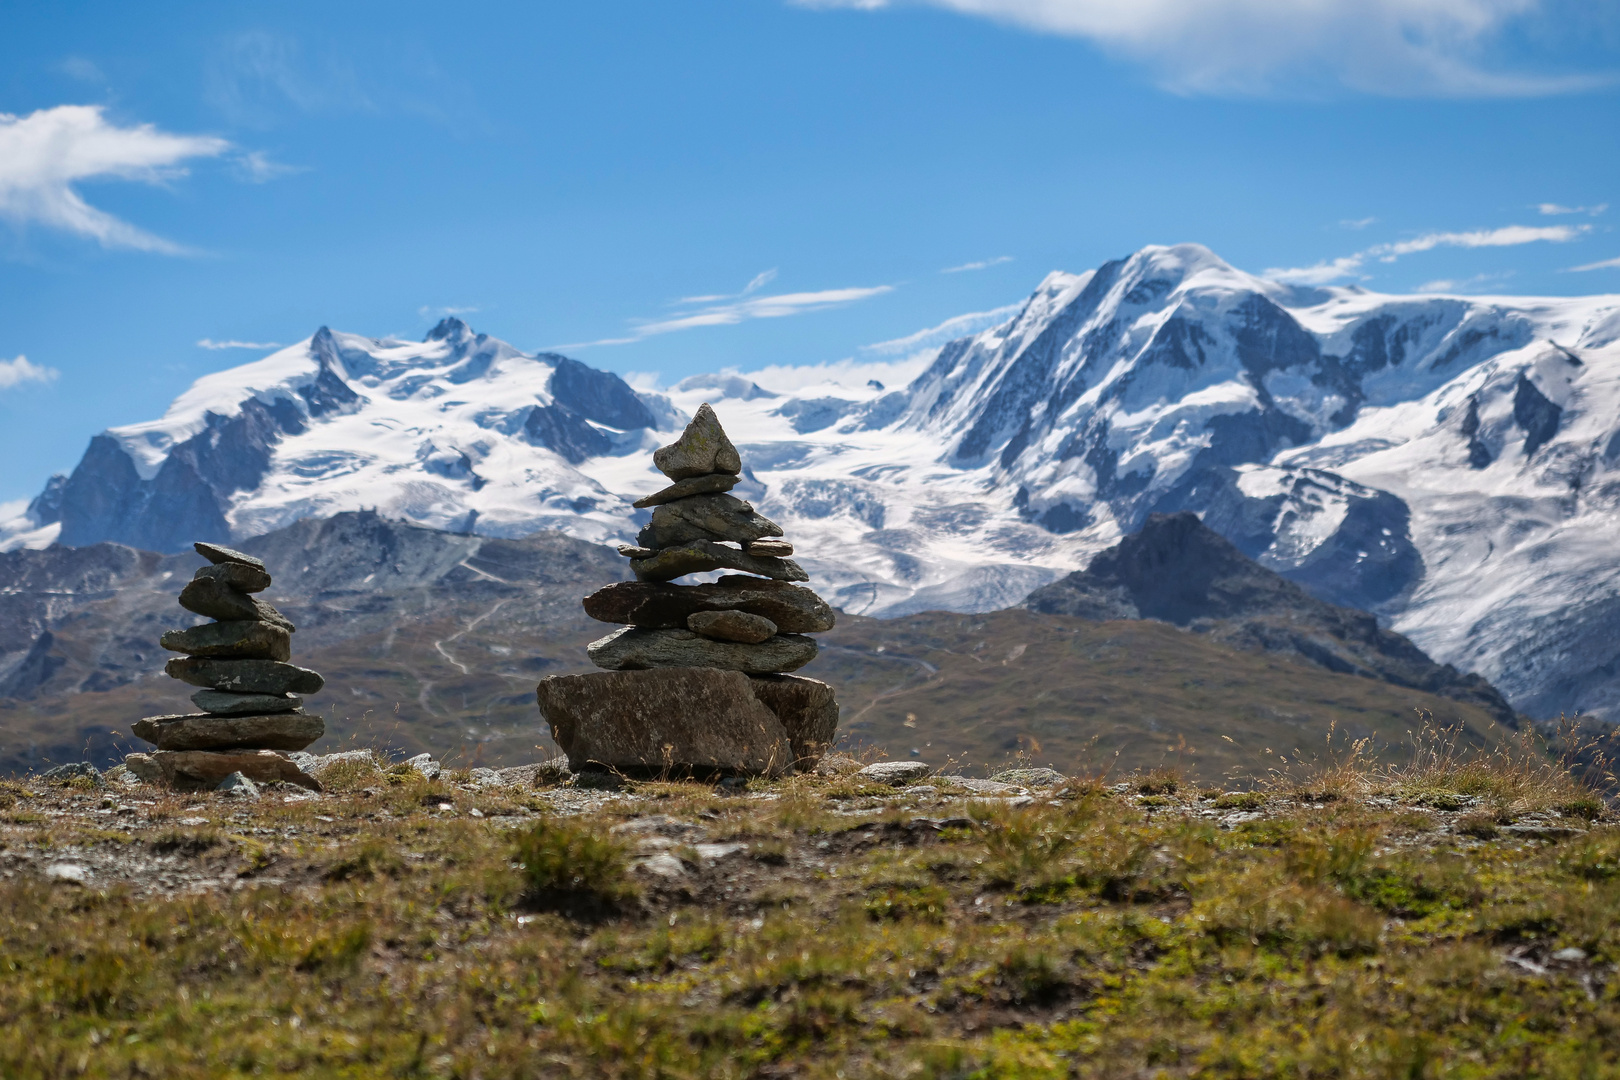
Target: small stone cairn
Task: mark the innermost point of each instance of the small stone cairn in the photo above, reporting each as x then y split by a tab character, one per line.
251	709
696	682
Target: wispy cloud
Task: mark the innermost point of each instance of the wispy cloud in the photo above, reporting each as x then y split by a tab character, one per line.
1386	47
1552	209
19	371
1606	264
982	264
949	330
730	309
255	167
1346	265
43	154
1358	223
1471	284
428	311
210	343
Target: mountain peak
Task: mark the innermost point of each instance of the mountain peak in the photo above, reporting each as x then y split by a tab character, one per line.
449	329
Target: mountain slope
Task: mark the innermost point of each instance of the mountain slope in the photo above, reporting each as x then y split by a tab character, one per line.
1451	464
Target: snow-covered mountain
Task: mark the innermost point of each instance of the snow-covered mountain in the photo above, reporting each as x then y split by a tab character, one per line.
1451	463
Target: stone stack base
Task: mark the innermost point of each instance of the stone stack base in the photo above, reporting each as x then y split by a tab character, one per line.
681	722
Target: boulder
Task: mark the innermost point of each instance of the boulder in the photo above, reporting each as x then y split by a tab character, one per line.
701	556
731	626
201	770
216	554
205	731
808	710
226	703
666	722
633	648
145	769
72	771
692	485
705	517
661	606
248	579
245	639
702	448
238	786
244	676
218	600
898	773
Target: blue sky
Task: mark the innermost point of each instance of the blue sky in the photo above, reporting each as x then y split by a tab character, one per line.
733	183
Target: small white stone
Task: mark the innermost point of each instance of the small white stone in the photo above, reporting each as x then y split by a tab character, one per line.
67	873
664	866
1570	955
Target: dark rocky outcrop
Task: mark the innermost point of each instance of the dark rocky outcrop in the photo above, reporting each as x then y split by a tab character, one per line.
1179	571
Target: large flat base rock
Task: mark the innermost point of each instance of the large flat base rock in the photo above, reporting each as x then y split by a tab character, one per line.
199	770
205	731
673	722
634	649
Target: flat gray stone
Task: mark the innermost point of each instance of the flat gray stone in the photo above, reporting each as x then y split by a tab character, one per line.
898	773
702	448
634	649
228	703
248	579
144	768
662	606
244	676
243	640
770	545
692	485
668	722
202	770
705	517
426	764
205	731
219	600
808	710
1030	777
737	626
238	787
218	553
701	556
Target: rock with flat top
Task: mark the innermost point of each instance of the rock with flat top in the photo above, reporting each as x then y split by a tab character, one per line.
662	606
201	770
634	649
706	517
897	773
248	579
731	626
770	545
692	485
218	553
219	600
205	731
249	640
702	448
244	676
636	551
667	722
808	710
229	703
701	556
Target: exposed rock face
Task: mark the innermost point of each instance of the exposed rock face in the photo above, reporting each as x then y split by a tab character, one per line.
660	606
1180	571
245	676
702	637
633	648
731	626
205	731
668	722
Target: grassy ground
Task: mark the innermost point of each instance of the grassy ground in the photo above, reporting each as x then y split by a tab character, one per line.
1455	917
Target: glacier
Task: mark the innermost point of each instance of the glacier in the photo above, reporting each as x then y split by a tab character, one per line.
1450	463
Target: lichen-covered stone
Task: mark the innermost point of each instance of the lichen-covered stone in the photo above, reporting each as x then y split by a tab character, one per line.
705	517
671	721
737	626
633	648
702	448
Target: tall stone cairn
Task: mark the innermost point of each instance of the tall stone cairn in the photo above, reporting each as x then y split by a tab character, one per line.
251	709
697	682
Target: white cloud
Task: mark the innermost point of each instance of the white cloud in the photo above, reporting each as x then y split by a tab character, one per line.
1386	47
1606	264
209	343
43	154
19	371
955	327
427	311
257	168
1507	236
1358	223
1551	209
983	264
1453	285
730	309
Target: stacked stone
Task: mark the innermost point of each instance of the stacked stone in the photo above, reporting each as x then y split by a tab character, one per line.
697	681
251	709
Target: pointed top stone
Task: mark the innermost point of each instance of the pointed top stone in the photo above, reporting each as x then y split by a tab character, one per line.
702	448
217	554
